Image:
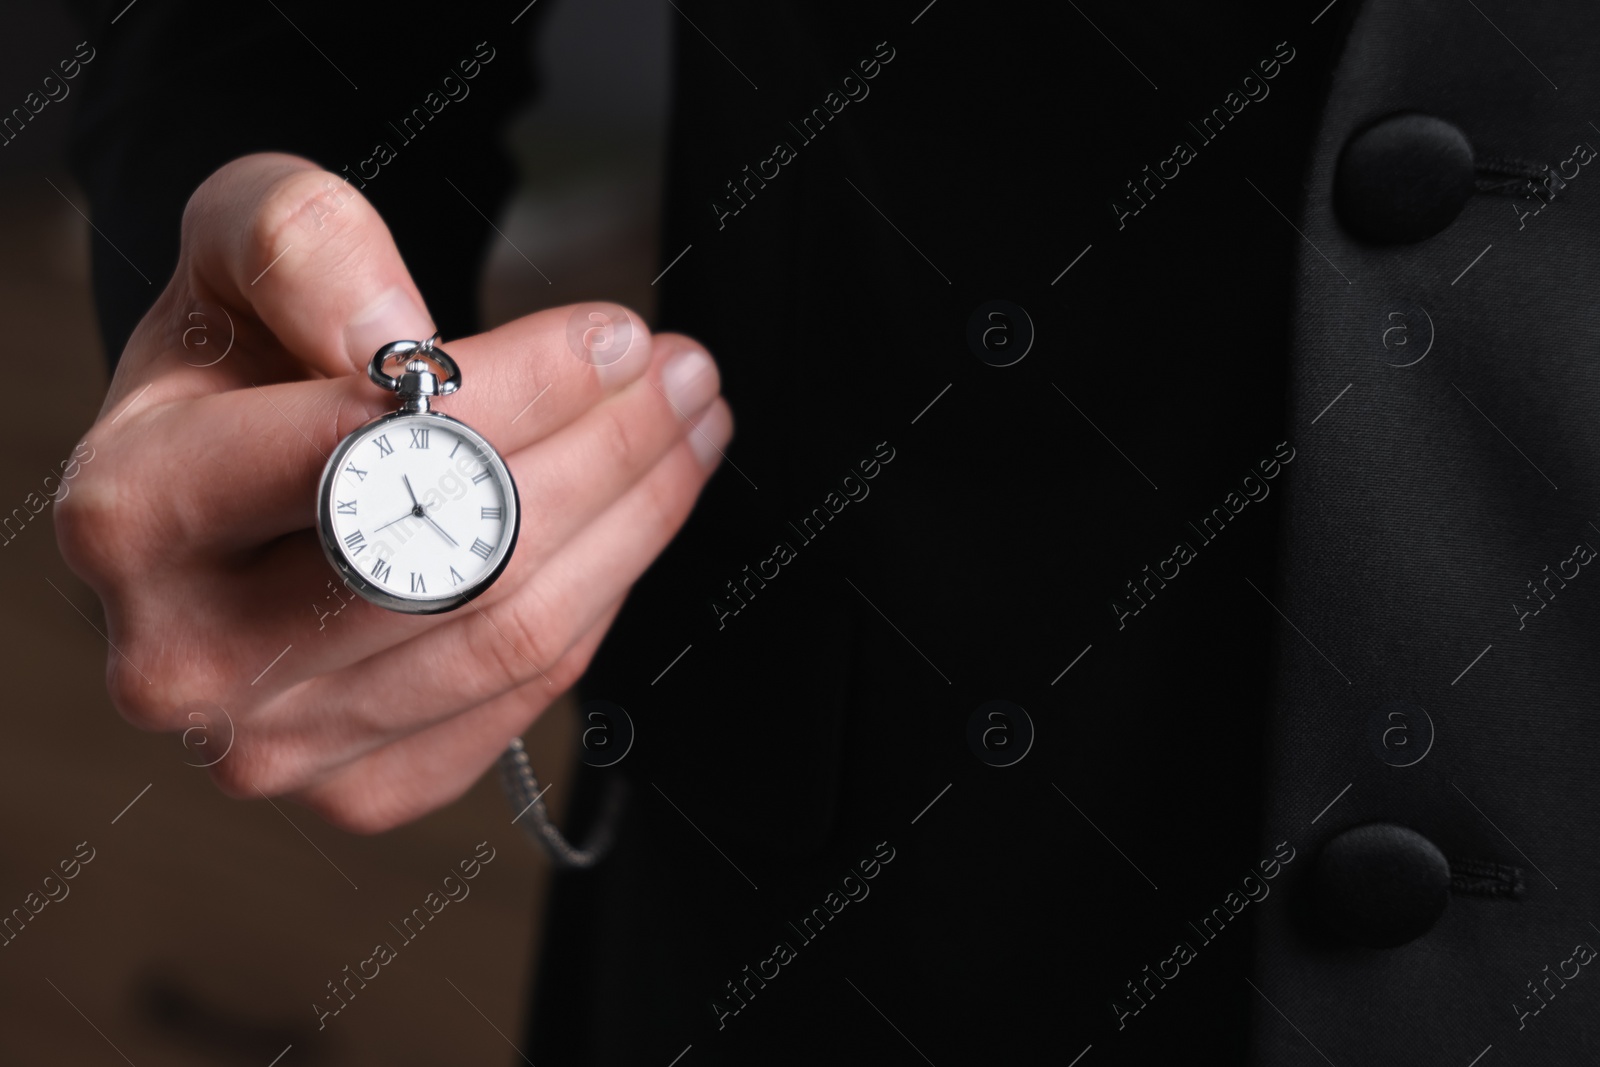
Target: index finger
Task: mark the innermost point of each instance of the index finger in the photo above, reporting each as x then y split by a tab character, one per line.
278	238
521	383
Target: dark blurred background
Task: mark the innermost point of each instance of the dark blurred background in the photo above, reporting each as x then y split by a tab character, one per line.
204	928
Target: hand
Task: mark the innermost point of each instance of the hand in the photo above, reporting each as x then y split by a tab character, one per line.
381	717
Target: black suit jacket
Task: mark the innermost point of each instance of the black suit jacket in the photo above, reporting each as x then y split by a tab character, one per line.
818	713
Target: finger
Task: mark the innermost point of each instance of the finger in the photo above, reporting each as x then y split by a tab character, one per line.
273	440
304	253
303	622
483	652
435	766
298	603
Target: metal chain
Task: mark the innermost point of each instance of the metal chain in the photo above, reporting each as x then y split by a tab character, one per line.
522	790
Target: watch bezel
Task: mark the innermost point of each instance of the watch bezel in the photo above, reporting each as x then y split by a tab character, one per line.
357	579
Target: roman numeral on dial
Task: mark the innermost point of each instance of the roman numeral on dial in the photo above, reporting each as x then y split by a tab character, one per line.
488	513
419	438
356	543
417	584
361	475
347	507
481	548
480	476
384	447
455	579
381	569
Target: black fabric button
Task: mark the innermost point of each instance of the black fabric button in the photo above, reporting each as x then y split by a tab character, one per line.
1404	178
1381	885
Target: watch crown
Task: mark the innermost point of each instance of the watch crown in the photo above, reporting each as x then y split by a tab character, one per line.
417	384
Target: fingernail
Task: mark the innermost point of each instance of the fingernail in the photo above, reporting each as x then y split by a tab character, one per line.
690	381
393	316
606	337
711	434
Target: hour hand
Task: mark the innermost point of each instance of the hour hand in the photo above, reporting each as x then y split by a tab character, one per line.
414	502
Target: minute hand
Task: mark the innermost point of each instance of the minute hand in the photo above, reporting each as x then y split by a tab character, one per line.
429	519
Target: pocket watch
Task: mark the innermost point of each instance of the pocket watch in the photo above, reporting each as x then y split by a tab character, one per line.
416	510
419	513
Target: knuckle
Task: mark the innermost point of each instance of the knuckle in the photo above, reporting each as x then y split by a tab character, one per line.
254	768
663	508
116	518
138	698
357	807
362	818
78	520
301	202
570	667
520	644
215	201
162	662
249	210
621	440
237	776
88	530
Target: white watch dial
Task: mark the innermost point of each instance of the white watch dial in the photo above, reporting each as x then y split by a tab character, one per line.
418	511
